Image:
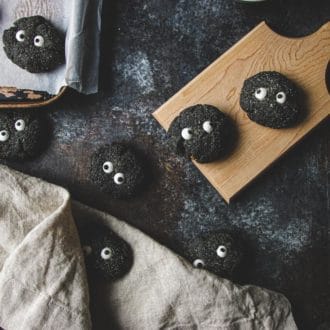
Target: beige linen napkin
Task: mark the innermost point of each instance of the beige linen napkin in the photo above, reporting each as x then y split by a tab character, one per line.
43	281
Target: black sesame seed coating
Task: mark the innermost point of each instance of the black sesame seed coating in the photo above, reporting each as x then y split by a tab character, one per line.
28	56
26	144
203	147
268	112
125	160
97	237
205	248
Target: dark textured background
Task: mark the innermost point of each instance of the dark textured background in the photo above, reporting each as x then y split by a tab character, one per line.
150	49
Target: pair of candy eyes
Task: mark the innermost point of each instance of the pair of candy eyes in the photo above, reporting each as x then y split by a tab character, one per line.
38	40
106	253
221	252
19	126
118	178
261	93
187	132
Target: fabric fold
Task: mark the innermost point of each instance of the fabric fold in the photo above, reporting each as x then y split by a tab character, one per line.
43	282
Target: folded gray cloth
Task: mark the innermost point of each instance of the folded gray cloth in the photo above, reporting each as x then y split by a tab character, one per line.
43	283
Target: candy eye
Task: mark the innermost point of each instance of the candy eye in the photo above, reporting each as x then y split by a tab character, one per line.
106	253
20	35
222	251
107	167
260	93
280	97
207	127
38	41
20	125
198	263
119	178
87	250
186	133
4	136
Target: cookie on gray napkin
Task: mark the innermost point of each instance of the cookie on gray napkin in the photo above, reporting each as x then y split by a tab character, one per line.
218	252
106	254
34	44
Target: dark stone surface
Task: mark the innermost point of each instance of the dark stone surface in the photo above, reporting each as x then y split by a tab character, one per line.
150	50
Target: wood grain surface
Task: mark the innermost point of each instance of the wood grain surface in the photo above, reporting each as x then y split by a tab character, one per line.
13	98
304	60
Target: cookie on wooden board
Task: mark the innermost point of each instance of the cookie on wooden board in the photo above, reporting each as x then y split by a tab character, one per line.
270	99
34	44
202	132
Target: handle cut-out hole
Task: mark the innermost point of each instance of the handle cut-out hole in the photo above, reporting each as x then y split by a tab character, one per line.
327	78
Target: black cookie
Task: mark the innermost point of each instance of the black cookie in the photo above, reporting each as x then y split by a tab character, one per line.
201	132
117	170
34	44
23	134
270	99
220	253
106	254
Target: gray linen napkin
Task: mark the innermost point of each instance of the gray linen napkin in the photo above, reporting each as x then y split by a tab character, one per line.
43	283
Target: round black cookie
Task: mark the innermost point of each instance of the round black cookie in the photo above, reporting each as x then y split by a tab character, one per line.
270	99
118	170
34	44
23	134
219	252
201	132
106	254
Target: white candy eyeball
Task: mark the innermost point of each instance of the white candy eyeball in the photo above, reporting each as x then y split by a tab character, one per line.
186	133
198	263
106	253
107	167
87	250
38	41
119	178
4	136
20	35
207	127
260	93
222	251
280	97
20	125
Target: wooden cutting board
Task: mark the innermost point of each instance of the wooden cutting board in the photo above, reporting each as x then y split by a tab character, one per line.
303	60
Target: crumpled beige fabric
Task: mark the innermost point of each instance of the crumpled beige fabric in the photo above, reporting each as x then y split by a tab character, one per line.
43	281
42	276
